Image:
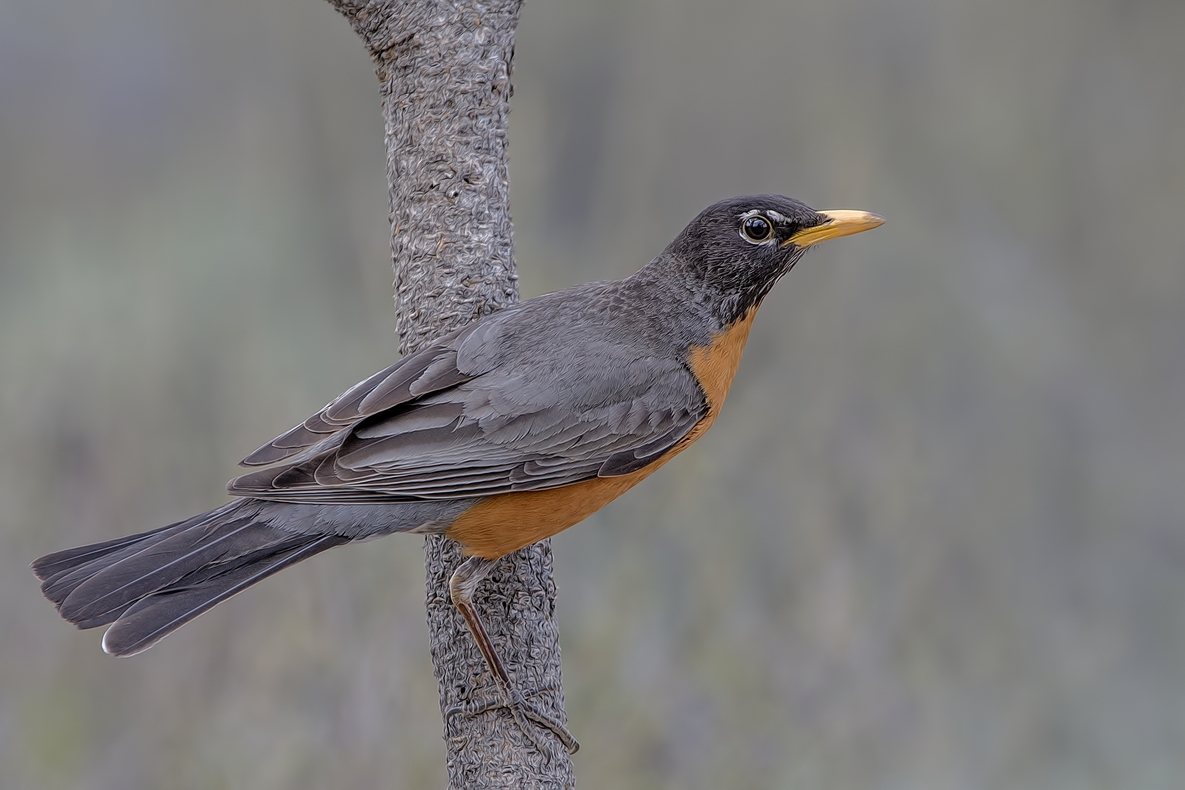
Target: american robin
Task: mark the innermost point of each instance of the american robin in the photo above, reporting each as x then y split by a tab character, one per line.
499	434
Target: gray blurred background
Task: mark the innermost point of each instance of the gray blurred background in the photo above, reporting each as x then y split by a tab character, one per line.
937	539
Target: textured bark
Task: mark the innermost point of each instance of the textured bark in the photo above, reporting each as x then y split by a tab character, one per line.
444	73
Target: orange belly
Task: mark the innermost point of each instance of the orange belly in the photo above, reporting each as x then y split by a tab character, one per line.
507	522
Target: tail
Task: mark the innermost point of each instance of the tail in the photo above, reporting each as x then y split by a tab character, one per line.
151	584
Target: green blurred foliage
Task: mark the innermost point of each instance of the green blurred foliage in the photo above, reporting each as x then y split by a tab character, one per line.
937	539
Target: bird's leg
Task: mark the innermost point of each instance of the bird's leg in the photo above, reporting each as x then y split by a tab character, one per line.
461	587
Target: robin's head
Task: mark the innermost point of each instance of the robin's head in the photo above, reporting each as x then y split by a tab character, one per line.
739	247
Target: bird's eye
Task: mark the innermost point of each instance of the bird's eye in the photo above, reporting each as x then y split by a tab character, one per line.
757	229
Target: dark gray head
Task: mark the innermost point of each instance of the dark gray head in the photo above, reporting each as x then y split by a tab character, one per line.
738	248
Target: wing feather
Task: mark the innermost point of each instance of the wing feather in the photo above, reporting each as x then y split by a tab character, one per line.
485	411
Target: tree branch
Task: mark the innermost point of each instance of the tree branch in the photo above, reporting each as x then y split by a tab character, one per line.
444	73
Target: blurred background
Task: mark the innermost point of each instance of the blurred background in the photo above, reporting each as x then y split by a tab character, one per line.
937	539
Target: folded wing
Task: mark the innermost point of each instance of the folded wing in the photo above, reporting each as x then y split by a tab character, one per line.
480	412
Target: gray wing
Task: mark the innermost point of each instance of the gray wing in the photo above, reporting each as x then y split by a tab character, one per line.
491	409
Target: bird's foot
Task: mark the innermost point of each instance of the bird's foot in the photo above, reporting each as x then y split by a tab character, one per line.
528	717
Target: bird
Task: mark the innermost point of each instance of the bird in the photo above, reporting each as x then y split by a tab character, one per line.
497	435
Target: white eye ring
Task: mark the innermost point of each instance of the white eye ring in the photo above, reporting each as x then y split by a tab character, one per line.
757	229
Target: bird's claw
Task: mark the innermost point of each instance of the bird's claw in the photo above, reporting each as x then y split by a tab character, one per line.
528	717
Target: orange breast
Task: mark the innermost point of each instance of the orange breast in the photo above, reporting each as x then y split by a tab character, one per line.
500	524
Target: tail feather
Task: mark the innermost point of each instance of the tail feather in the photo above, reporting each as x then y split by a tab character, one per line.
63	571
155	616
116	587
150	584
59	586
61	562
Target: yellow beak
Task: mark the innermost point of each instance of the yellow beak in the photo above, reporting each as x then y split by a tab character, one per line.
838	223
